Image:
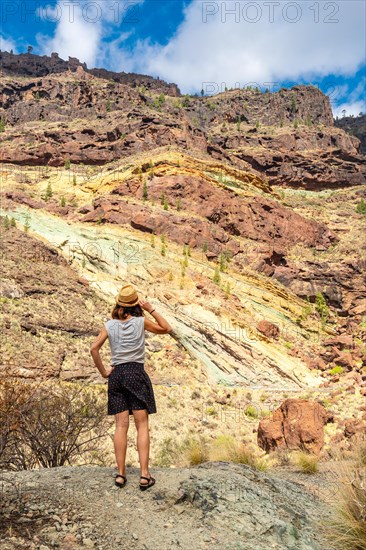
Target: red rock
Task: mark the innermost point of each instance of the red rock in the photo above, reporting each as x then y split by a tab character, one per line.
268	329
353	426
345	360
83	281
342	341
296	424
316	363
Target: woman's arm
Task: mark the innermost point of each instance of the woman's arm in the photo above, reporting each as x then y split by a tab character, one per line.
161	326
94	350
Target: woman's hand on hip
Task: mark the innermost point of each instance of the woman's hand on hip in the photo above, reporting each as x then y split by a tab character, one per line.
108	371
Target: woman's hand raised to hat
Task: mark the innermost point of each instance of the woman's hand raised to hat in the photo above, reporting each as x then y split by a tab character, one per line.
146	305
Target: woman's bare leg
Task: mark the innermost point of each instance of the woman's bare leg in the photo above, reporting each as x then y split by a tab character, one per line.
120	441
143	440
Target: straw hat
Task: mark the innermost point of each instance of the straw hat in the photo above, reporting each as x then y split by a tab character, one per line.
127	296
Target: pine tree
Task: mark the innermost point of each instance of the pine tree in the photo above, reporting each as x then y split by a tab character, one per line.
222	262
227	290
67	164
216	277
49	192
74	180
204	248
26	223
166	206
6	222
178	205
152	242
12	222
63	201
144	191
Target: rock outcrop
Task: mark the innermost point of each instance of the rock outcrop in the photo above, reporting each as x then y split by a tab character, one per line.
296	424
34	65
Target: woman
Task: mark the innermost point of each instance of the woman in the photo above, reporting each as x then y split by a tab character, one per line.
129	387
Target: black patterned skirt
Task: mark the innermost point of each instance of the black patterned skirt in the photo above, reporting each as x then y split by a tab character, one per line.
129	387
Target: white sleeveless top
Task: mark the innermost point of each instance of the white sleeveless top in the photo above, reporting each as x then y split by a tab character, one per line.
126	339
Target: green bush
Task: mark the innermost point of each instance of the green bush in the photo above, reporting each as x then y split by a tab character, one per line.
361	207
336	370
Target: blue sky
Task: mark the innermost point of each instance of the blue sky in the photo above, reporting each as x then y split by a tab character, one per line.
205	44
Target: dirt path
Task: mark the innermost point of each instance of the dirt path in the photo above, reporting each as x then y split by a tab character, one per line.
214	505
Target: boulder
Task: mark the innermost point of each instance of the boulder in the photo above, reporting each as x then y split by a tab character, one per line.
268	329
354	426
296	424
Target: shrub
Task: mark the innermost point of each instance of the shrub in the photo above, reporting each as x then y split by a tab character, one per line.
186	101
67	164
321	307
48	426
63	201
2	125
336	370
13	222
6	222
251	411
361	207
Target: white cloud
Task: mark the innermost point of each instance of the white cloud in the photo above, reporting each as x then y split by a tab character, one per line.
354	108
7	44
225	50
78	30
82	26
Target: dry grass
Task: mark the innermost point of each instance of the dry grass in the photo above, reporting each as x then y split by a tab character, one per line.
308	463
347	528
226	448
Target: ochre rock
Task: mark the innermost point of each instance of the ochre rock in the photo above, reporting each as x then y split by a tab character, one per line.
296	424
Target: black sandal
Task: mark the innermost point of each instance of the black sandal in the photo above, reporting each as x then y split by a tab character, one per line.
118	483
144	486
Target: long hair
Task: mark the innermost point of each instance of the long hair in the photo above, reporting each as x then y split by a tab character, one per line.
121	312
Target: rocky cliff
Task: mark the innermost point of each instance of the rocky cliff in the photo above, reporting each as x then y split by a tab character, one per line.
239	215
355	126
288	137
